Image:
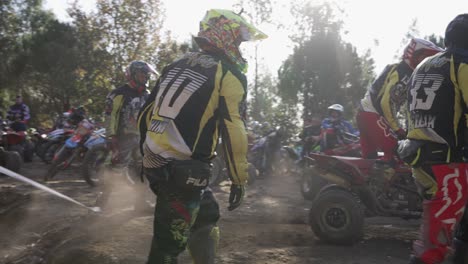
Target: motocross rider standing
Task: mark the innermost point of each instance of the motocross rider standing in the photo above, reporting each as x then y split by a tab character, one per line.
377	115
122	107
197	99
437	99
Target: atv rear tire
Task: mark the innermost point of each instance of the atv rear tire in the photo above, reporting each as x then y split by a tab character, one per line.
17	148
336	217
13	161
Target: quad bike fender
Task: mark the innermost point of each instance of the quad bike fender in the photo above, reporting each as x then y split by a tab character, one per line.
350	168
331	186
334	179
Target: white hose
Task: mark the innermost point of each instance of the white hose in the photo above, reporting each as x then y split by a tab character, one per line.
44	188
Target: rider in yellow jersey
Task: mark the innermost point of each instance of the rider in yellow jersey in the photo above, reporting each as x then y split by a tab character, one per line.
197	99
122	107
437	102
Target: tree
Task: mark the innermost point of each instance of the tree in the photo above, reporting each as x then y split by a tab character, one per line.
19	19
413	32
438	40
258	12
53	60
323	69
131	31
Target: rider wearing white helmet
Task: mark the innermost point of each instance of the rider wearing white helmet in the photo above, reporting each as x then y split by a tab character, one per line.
334	122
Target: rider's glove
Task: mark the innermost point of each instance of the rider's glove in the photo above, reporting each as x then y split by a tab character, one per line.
401	134
236	196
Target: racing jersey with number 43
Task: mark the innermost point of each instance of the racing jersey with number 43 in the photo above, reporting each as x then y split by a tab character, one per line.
437	99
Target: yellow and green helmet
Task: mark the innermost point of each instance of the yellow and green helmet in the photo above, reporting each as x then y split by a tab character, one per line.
225	30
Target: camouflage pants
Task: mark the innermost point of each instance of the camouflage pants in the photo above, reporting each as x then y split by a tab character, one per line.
178	217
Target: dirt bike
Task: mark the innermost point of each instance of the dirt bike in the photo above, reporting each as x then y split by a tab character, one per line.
94	159
72	148
52	143
355	188
310	183
268	155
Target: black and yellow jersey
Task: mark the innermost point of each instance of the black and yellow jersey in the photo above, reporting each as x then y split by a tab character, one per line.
388	92
122	107
437	99
197	99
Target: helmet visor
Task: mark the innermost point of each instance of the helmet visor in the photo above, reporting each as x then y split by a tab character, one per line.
247	31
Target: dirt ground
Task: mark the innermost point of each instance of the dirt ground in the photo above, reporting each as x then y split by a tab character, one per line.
269	228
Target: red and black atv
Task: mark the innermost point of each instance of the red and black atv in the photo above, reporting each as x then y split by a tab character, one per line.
310	182
356	188
18	141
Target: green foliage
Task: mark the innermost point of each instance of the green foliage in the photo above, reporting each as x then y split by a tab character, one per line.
131	31
413	32
257	12
323	69
438	40
57	65
271	109
169	50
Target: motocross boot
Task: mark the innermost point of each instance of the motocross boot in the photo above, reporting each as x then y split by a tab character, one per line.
461	252
415	260
203	243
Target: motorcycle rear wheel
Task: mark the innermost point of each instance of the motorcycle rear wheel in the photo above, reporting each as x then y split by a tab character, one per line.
57	164
49	151
336	217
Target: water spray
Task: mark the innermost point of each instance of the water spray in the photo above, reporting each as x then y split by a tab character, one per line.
45	188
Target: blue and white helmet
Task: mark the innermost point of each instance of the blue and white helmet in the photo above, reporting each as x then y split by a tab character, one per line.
336	107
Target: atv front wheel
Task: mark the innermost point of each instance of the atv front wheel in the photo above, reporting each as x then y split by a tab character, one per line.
336	217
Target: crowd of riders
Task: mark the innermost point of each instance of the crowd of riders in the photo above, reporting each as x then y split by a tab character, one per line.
430	87
173	131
